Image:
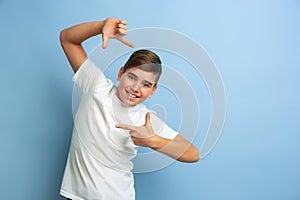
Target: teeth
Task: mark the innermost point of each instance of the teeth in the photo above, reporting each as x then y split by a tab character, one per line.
131	95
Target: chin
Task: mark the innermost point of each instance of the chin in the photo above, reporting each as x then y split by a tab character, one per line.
130	103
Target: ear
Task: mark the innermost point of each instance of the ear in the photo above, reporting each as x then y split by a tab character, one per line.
121	71
153	91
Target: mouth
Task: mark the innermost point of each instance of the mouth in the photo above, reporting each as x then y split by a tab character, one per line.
131	95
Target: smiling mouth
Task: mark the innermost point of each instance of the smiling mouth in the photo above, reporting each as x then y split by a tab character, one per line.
131	95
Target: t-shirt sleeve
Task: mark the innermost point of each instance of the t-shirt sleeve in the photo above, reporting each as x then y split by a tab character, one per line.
162	129
88	77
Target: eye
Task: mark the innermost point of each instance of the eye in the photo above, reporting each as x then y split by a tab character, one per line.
146	85
131	77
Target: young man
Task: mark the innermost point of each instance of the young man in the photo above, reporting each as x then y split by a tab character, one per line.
111	122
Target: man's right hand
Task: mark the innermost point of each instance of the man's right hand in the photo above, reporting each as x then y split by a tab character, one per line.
72	37
114	29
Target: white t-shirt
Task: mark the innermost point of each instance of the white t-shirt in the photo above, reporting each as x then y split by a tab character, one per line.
99	163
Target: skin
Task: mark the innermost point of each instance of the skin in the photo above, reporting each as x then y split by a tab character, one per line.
135	85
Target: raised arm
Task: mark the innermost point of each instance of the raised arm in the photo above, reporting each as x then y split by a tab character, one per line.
71	38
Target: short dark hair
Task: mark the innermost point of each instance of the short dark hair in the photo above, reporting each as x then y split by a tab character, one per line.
145	60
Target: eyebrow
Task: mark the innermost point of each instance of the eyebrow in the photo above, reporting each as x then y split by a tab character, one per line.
148	82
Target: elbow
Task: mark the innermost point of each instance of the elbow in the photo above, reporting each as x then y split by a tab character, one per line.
191	157
195	157
62	37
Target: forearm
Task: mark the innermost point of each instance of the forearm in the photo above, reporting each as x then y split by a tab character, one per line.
178	148
72	37
79	33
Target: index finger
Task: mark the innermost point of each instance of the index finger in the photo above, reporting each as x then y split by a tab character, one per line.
128	43
125	126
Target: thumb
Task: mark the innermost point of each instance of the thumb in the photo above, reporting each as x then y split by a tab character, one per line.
104	41
147	119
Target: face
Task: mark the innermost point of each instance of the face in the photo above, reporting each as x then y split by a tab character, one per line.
135	86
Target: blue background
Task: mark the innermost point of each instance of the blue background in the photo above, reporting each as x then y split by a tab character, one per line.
255	45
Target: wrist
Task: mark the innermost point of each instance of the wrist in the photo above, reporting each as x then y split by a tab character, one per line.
152	142
100	25
156	142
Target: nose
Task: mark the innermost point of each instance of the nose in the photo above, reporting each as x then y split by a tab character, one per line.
135	86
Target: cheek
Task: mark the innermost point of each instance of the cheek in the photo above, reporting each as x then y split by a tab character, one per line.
125	82
122	83
147	92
